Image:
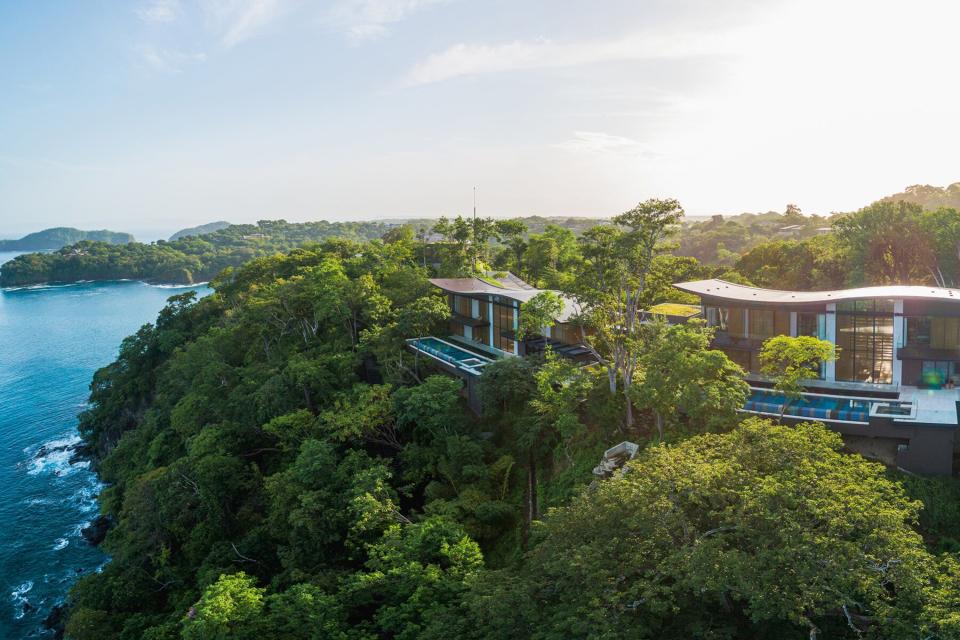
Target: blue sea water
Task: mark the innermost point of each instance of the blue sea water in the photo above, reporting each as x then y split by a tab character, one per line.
52	339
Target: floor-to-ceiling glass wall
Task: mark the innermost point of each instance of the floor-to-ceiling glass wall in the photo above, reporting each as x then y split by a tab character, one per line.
865	339
503	315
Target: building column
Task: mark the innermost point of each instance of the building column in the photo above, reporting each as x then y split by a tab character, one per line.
899	338
830	334
490	318
793	323
516	327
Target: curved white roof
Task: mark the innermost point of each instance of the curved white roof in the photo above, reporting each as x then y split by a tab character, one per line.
741	293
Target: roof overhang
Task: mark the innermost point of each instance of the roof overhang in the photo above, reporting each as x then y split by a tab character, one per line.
477	287
722	290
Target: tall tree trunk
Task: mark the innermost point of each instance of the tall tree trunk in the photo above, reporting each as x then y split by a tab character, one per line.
627	385
532	507
659	418
309	400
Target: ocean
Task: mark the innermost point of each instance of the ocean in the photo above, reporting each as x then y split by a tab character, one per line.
52	340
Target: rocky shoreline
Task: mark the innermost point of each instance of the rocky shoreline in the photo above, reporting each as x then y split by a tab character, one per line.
93	533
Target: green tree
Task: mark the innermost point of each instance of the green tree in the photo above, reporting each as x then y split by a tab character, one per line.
767	531
413	577
885	244
228	609
512	232
683	381
613	285
539	313
791	361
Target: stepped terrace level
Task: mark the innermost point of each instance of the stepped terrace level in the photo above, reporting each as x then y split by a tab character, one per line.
892	392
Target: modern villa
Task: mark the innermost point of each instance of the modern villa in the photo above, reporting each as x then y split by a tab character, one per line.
484	321
892	392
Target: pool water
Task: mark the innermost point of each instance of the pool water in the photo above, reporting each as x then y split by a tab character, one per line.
816	407
449	353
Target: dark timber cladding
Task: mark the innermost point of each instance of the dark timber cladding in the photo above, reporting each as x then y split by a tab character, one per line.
901	342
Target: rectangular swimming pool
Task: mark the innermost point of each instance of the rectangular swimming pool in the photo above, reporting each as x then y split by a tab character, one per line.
811	406
450	353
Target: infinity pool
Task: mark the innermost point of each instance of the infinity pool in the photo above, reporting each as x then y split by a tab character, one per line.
443	350
816	407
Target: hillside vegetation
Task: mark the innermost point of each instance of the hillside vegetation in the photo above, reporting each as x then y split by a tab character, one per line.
928	196
59	237
280	467
200	230
185	261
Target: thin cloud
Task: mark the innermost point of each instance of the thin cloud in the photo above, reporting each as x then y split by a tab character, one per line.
240	20
463	59
370	19
166	60
159	11
600	142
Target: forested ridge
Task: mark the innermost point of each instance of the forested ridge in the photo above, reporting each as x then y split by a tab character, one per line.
278	466
185	260
59	237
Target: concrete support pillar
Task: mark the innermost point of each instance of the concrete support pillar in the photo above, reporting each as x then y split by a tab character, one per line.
793	323
830	334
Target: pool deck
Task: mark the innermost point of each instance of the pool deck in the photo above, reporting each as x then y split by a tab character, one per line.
934	406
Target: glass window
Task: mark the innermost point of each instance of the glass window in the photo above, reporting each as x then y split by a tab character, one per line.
761	323
781	323
866	348
766	323
712	315
870	305
503	323
808	324
918	330
463	306
945	333
735	322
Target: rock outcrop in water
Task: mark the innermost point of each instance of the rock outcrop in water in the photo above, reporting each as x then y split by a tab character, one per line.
96	531
56	620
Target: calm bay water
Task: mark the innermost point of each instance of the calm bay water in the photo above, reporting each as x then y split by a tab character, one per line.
52	339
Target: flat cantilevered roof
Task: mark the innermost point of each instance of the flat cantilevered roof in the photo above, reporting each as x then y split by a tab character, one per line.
741	293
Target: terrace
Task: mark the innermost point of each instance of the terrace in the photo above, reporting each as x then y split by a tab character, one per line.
828	408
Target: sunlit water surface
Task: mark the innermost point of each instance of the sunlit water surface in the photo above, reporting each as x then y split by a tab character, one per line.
52	339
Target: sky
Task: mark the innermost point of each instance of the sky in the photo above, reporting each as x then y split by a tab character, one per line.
149	116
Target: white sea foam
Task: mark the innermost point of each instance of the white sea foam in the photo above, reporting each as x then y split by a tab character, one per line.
85	499
17	595
34	502
47	285
61	543
54	457
179	286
